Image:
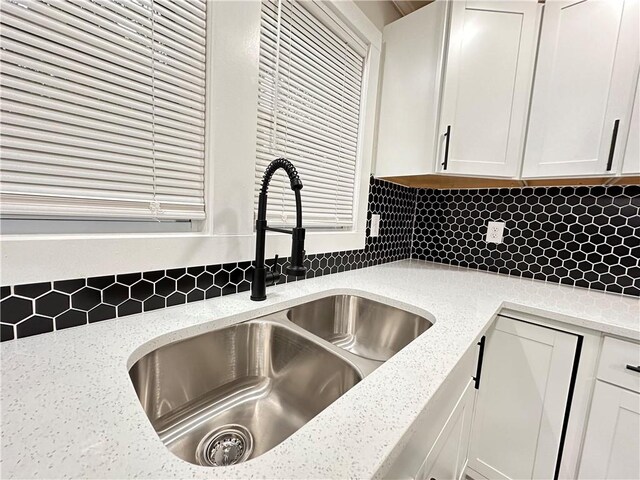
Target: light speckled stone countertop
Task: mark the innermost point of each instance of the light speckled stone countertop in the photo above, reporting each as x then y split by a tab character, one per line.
69	409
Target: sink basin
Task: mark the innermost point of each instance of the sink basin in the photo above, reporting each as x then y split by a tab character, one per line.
227	396
359	325
230	395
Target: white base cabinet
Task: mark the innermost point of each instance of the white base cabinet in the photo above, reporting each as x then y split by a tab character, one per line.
447	459
437	445
521	404
538	411
612	444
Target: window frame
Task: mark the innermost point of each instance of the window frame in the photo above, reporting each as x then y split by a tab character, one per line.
233	43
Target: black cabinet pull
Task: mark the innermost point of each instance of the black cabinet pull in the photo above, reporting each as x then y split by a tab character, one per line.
633	368
612	148
447	135
479	365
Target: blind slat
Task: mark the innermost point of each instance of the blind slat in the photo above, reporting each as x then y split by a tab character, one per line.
102	108
170	168
87	62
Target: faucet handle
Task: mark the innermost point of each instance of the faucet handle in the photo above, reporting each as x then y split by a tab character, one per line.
273	275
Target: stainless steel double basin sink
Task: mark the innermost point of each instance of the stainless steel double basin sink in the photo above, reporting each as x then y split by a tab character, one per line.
229	395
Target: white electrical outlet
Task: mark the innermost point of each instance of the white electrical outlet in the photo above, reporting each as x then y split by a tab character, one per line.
495	232
375	225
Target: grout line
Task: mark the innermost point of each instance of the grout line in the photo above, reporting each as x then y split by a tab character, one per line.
413	224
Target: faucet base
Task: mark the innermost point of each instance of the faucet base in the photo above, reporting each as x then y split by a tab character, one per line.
259	284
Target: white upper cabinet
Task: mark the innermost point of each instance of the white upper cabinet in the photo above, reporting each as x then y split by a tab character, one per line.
631	162
487	86
413	51
584	85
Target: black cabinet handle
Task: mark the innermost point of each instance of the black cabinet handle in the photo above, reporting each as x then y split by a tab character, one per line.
447	135
479	365
612	148
633	368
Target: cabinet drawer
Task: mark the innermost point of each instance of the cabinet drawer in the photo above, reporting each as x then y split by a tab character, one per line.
616	355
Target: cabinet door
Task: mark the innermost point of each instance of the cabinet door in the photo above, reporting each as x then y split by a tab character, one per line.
583	90
416	457
407	125
447	459
631	162
487	85
612	442
522	400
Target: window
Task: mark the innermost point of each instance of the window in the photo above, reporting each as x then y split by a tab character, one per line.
103	109
309	102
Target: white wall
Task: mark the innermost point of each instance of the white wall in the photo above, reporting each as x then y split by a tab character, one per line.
227	235
380	12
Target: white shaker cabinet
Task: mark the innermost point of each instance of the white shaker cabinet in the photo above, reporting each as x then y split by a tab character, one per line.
447	459
438	444
521	401
487	85
612	443
410	93
584	86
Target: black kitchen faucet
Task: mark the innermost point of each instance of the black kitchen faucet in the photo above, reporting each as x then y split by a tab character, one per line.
262	277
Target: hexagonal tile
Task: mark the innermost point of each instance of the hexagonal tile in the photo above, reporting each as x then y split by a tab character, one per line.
71	318
186	283
154	302
52	304
204	280
153	276
86	298
221	278
115	294
101	282
165	286
32	290
7	332
129	307
34	325
69	286
14	309
102	312
176	298
142	290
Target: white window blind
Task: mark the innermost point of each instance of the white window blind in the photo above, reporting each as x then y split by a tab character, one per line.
310	87
102	108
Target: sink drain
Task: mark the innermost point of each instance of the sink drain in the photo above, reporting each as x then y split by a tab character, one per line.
226	445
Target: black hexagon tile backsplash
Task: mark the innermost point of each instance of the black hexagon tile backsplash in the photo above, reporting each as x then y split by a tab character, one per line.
585	236
582	236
